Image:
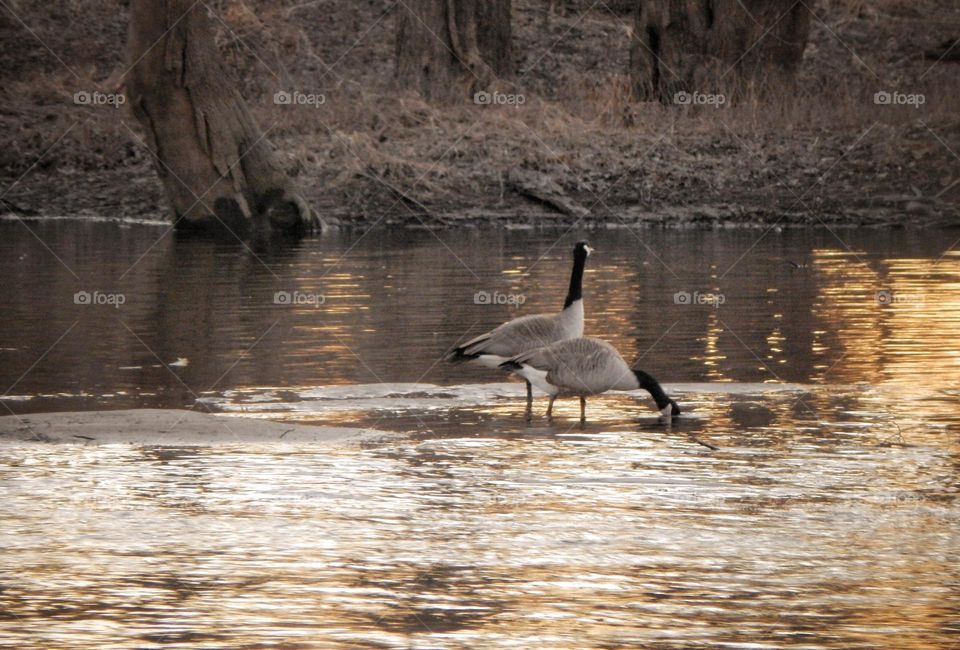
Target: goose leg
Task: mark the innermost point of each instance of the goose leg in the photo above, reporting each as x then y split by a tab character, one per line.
550	406
528	413
583	409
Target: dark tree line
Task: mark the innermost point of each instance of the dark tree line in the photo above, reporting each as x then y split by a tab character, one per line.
218	169
712	45
453	48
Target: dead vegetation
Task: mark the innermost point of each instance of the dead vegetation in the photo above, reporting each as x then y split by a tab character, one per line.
820	150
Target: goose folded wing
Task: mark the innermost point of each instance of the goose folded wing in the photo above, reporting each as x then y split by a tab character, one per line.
518	336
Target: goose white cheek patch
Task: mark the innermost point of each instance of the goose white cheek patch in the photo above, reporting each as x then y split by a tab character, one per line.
667	410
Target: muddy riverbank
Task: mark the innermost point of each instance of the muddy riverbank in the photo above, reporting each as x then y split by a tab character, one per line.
833	149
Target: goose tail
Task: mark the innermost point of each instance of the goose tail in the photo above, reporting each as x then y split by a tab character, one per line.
459	355
511	364
516	363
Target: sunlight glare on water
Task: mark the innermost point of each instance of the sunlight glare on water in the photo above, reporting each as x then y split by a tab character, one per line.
807	498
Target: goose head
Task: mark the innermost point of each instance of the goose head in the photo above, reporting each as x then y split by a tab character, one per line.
667	407
670	409
582	250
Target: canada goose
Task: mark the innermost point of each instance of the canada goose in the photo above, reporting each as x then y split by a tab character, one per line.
585	366
529	332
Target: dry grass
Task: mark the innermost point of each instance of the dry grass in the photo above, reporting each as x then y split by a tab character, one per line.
586	131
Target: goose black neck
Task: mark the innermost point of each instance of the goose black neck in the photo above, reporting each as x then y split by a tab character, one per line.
652	386
575	292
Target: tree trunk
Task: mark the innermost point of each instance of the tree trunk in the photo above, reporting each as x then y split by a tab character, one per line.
712	46
447	49
217	169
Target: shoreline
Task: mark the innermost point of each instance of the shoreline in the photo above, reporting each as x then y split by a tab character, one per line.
700	217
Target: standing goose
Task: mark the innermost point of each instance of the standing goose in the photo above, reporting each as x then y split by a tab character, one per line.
529	332
585	366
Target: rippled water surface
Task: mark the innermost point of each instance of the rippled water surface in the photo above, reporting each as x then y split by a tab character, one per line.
807	498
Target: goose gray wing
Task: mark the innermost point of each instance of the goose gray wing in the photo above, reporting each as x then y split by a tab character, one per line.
517	336
581	366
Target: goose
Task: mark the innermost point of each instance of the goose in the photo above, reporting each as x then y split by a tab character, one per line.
585	366
519	335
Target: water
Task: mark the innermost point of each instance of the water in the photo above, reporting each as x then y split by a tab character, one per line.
825	517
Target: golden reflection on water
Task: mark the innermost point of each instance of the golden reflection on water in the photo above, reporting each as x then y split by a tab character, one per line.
897	322
796	532
826	517
798	308
712	358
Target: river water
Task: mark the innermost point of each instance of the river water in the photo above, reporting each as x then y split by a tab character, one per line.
806	499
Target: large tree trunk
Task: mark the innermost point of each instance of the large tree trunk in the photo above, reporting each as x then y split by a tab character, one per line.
712	46
452	48
217	169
